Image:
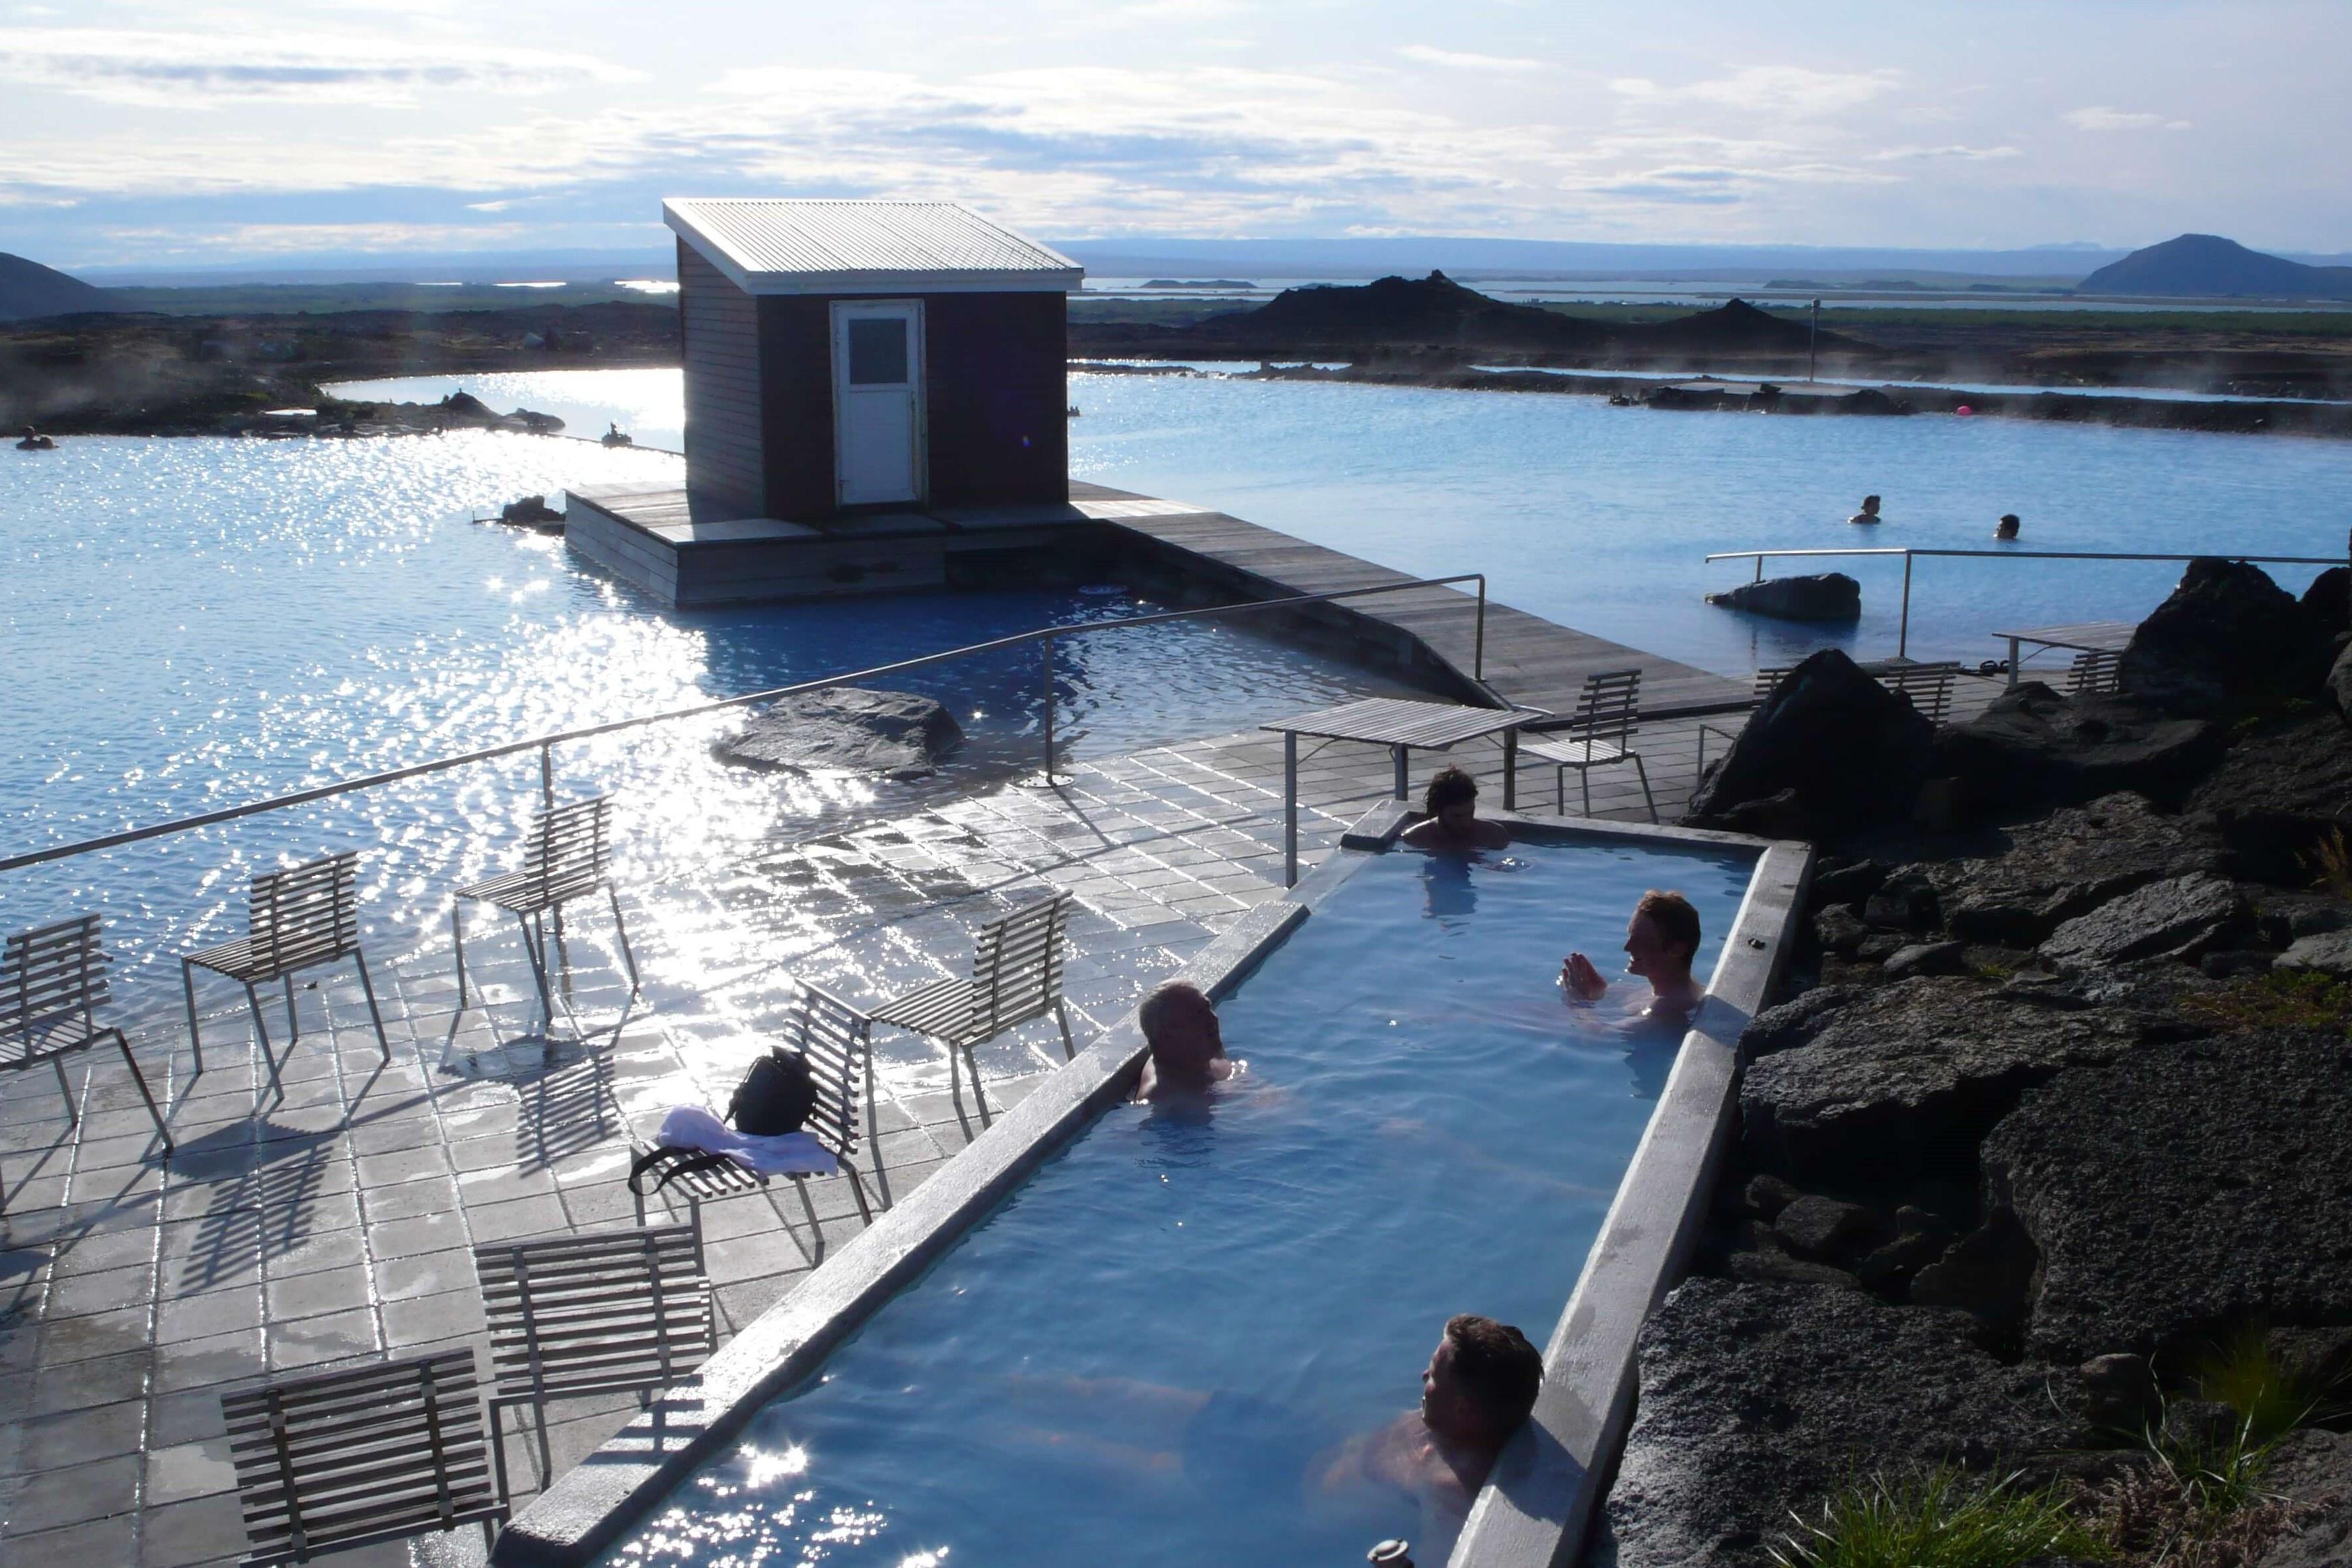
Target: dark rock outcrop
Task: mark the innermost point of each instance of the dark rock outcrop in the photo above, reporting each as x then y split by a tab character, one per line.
2068	863
849	729
2326	952
2312	1470
1827	596
1851	751
2339	684
2329	600
2192	1186
2227	635
2277	794
1757	1399
1902	1081
2032	747
2179	917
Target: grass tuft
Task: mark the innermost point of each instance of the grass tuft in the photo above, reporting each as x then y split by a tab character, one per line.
1940	1519
2243	1373
2291	998
2330	863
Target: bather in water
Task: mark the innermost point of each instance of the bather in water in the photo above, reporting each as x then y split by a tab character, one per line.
1453	821
1661	940
1187	1046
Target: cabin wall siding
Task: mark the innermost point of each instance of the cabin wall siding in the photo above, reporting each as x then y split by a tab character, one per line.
997	385
718	329
795	338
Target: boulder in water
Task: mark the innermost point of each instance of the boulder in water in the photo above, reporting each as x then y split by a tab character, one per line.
847	729
1826	596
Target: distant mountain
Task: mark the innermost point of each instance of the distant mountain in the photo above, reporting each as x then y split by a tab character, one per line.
2207	266
1467	257
28	289
1433	312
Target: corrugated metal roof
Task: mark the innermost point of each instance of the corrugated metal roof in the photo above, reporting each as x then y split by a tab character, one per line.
778	245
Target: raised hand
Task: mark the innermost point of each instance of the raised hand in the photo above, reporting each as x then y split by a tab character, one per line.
1580	980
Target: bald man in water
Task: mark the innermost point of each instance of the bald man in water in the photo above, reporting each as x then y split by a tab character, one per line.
1187	1046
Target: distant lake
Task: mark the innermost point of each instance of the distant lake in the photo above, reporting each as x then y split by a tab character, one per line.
1598	516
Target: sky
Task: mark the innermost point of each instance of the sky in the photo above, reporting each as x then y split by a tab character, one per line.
196	134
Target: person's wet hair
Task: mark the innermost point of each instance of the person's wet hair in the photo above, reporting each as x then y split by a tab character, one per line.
1450	787
1674	916
1497	1367
1157	1009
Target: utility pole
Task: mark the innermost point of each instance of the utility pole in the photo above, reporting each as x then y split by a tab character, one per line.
1813	345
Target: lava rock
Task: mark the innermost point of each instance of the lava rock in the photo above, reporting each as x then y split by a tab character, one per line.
2195	1185
2229	966
1828	596
2282	788
1771	1266
2203	1425
2068	863
2227	635
1988	1274
1766	1195
1851	750
1912	1248
1794	1022
1839	929
849	729
2032	747
1779	815
1927	958
2313	1359
1851	883
2329	953
2339	684
1756	1399
2119	1394
1906	902
1823	1228
2327	603
1904	1081
2312	1467
2177	918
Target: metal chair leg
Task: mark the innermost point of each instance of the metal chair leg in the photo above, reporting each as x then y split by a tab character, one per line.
801	1185
1644	772
498	1450
1560	782
622	927
874	1130
64	1091
1062	1017
530	941
857	1189
122	1043
268	1057
457	940
1584	779
978	1095
367	985
546	1460
195	1041
293	1022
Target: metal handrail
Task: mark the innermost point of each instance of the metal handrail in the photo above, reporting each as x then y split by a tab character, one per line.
545	744
1903	633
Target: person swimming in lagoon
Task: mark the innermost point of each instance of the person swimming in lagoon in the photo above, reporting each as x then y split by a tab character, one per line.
1869	512
1187	1046
1453	821
2007	527
1661	940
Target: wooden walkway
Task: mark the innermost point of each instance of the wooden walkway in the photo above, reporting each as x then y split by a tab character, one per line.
1530	662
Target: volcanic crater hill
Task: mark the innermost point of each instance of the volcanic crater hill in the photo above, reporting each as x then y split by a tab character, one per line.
29	291
1435	316
2210	267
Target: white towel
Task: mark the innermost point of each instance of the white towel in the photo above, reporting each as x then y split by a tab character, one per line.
787	1153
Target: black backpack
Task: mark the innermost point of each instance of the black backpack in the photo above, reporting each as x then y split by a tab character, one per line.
775	1096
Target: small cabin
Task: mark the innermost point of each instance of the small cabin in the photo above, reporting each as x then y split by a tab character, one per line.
844	355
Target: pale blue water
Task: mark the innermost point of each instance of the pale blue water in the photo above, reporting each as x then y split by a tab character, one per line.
1599	517
190	625
1138	1358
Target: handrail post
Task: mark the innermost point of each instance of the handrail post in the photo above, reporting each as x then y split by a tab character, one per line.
547	774
1903	633
1760	567
1046	651
1479	649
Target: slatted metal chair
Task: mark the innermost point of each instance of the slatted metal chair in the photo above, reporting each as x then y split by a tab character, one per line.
52	982
625	1311
1928	687
1016	975
1607	717
568	855
347	1459
2097	674
836	1040
298	918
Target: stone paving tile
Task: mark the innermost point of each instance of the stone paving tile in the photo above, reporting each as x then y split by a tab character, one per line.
333	1224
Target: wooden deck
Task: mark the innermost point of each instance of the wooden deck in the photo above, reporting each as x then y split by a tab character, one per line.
1530	662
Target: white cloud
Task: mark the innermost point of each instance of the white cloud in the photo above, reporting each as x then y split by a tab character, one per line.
2101	118
1454	60
1794	91
1965	154
192	70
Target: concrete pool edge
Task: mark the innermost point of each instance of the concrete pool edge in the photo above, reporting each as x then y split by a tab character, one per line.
589	1509
1537	1509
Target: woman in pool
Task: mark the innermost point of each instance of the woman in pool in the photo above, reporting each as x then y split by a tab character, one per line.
1453	822
1661	940
1869	512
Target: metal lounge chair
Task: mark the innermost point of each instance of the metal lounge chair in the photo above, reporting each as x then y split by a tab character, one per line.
569	855
1607	716
2097	674
836	1040
626	1311
1016	975
52	980
1928	687
347	1459
297	919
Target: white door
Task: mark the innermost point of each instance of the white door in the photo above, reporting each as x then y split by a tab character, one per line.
877	400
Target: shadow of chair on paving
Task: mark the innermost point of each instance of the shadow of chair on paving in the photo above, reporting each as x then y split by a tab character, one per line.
264	1210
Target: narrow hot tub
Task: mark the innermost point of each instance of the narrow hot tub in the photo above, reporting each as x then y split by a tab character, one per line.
1156	1349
